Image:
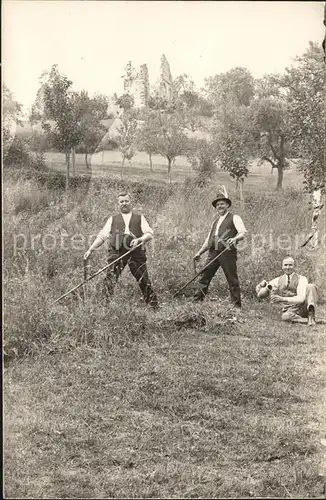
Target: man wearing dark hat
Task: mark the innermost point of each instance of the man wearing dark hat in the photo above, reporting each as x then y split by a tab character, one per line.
226	230
124	231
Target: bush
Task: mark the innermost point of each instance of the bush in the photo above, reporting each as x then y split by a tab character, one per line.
111	145
202	156
38	142
17	154
20	156
107	144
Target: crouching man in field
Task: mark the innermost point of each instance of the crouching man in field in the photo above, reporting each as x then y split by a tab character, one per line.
124	231
298	298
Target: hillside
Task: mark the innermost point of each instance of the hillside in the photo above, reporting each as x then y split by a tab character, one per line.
192	401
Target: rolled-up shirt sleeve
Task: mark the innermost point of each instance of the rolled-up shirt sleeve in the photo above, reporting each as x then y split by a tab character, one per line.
302	288
104	234
299	298
239	225
145	227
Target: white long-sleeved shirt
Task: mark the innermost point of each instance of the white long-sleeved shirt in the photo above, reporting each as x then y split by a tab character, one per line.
237	221
299	298
104	234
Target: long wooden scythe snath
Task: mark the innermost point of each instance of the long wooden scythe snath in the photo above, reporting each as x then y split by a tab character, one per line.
97	273
200	272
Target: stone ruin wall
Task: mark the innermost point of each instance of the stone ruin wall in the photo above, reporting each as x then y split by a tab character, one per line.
165	80
136	83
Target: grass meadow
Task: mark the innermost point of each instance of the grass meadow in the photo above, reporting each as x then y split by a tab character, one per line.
190	401
108	163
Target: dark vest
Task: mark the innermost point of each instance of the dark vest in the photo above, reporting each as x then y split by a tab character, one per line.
226	230
117	234
291	290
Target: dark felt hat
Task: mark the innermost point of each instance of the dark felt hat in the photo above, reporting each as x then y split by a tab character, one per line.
222	196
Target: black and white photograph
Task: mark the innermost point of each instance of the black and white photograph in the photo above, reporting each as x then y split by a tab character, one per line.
163	249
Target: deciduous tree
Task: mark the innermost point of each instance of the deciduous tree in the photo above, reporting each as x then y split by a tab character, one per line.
202	156
126	102
147	135
236	85
171	140
303	86
92	111
234	142
11	116
271	130
127	137
58	107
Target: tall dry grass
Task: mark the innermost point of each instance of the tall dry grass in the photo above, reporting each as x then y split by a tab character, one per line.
34	276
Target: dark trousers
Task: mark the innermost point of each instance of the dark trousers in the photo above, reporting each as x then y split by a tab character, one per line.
228	262
137	265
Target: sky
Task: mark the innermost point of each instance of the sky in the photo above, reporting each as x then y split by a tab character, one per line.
92	41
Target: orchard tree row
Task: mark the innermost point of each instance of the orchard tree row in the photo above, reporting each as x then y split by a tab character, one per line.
233	120
275	119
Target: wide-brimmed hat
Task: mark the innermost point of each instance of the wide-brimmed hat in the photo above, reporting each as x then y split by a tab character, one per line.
222	195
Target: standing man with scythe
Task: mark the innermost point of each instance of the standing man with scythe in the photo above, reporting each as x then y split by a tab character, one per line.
125	230
226	230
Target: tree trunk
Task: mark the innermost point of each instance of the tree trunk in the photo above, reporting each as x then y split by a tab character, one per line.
279	184
236	183
86	160
73	158
67	169
241	182
169	170
280	165
122	166
150	162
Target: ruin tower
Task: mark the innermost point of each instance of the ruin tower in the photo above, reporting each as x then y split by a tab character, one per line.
143	83
165	87
136	84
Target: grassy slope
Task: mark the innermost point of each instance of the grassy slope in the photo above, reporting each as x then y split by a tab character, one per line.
121	405
190	413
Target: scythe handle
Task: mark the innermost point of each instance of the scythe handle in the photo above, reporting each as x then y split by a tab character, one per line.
85	279
97	273
197	274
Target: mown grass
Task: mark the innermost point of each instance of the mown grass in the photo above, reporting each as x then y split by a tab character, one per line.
118	401
192	413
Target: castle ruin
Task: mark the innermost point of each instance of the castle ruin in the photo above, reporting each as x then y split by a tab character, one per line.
136	83
165	89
